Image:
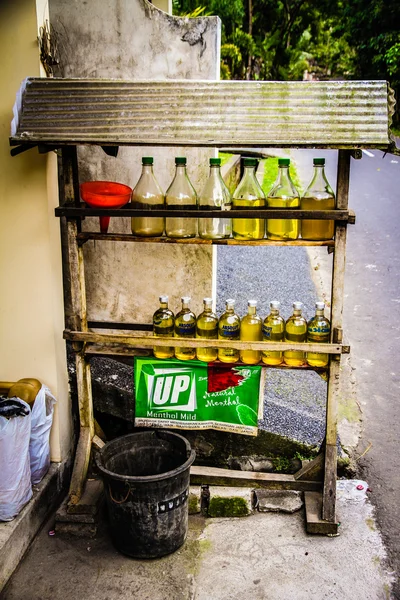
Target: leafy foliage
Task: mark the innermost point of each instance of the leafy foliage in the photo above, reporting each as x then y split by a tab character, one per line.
304	39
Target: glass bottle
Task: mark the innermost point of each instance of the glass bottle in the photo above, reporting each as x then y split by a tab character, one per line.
163	326
229	329
318	331
273	331
295	331
147	194
207	329
181	195
283	194
185	327
215	195
248	194
318	196
251	331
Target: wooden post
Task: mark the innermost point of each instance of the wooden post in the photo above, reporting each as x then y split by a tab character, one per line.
76	317
342	196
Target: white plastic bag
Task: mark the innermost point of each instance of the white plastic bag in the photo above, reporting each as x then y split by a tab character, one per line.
15	472
39	447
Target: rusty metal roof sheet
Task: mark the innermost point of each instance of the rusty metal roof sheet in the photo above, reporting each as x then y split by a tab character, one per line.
340	114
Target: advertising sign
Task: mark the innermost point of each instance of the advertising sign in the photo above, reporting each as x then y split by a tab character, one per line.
196	395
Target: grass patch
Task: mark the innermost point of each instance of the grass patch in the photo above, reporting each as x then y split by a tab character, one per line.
271	173
224	156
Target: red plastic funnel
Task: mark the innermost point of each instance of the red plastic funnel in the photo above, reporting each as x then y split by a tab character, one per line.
105	194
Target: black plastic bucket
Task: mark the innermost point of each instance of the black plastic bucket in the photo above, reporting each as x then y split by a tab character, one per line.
146	479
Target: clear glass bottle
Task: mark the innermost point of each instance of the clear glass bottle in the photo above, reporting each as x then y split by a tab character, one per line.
251	331
215	195
229	329
295	331
283	194
318	332
207	329
163	326
273	331
181	195
318	196
248	194
185	327
147	194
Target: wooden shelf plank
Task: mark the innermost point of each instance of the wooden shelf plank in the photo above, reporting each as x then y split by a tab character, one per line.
260	213
126	237
149	340
254	479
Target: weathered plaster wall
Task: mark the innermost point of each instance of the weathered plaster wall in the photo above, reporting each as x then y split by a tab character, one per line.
31	302
131	39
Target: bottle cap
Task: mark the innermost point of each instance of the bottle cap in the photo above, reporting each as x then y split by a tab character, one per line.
163	298
320	305
186	299
215	161
207	300
230	301
180	160
147	160
297	305
283	162
319	162
252	303
249	162
274	304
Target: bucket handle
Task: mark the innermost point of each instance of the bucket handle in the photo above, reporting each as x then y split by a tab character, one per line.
119	501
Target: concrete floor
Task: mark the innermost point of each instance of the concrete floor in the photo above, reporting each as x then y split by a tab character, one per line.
265	556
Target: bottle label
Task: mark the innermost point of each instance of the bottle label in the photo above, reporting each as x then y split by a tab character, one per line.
272	336
230	331
319	330
167	331
185	329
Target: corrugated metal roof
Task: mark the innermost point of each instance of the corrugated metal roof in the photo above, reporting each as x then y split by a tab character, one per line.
346	114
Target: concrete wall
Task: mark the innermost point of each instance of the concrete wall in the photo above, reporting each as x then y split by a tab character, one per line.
131	39
31	302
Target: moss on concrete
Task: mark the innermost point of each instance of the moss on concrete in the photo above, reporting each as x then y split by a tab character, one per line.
228	507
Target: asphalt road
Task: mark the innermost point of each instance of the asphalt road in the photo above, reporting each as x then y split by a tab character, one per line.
372	325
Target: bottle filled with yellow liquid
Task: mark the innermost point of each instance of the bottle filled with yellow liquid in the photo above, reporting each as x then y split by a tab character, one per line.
215	196
248	194
185	327
207	329
251	331
163	326
181	195
229	329
318	332
318	196
295	331
147	194
283	194
273	331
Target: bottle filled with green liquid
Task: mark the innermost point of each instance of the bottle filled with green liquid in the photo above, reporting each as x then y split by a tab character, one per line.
248	194
215	196
181	195
185	327
163	326
283	194
251	331
273	331
147	194
207	329
229	329
318	196
295	331
318	331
